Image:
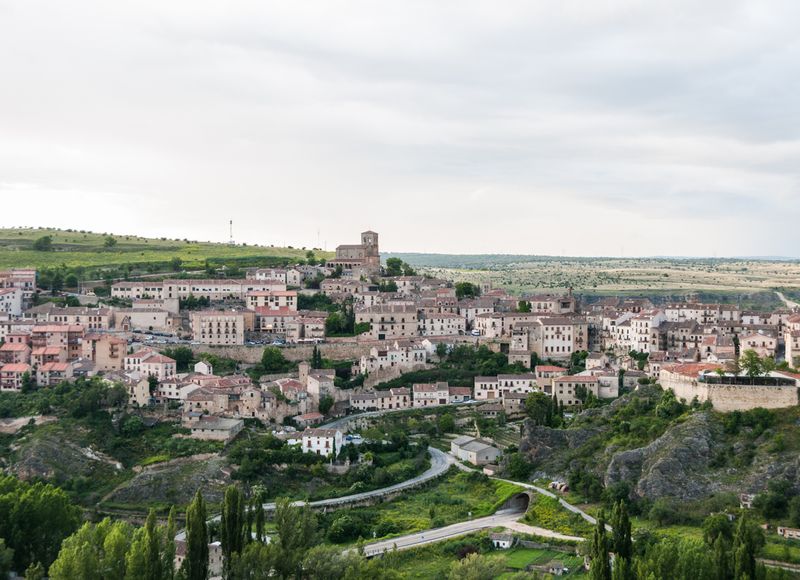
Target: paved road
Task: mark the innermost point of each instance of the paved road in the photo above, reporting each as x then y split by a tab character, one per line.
440	463
501	519
786	301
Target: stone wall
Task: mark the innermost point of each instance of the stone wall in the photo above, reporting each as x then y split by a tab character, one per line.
295	353
726	398
384	375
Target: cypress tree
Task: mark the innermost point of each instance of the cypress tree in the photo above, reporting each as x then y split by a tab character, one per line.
196	563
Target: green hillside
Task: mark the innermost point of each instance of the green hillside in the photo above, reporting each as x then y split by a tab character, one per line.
90	252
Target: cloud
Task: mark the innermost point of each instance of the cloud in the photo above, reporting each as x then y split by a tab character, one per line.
450	126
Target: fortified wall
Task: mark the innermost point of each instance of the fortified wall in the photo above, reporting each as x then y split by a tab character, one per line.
726	397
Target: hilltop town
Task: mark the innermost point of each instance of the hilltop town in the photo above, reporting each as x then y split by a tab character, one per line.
321	359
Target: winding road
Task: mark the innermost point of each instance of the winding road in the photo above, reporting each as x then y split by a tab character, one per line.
501	519
440	463
786	301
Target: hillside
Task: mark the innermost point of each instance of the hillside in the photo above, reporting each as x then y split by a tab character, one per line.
88	250
654	447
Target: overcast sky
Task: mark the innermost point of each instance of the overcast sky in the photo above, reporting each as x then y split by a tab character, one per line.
575	128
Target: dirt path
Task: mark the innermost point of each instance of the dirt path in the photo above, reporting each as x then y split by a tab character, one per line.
786	301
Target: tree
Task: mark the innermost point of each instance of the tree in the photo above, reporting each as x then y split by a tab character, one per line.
109	242
182	355
621	543
447	423
168	552
38	511
600	566
523	306
316	358
518	467
28	383
35	572
152	384
476	567
441	351
43	244
467	290
6	559
257	562
717	526
751	364
539	407
175	264
259	495
94	552
273	361
136	558
330	563
57	283
394	267
325	404
115	546
71	281
747	542
296	530
196	563
153	559
232	523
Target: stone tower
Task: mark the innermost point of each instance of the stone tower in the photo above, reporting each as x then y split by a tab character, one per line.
372	256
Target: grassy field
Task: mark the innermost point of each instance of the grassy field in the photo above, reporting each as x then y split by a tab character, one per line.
76	249
547	513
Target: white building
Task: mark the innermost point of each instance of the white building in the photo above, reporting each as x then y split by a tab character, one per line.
325	442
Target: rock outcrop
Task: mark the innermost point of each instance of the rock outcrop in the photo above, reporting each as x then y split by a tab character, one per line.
674	465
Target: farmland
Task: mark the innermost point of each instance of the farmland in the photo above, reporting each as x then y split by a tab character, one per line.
92	252
751	282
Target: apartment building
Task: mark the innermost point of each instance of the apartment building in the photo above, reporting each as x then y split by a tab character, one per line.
442	324
390	320
222	327
495	388
430	394
66	336
399	398
151	363
285	300
10	302
401	354
105	351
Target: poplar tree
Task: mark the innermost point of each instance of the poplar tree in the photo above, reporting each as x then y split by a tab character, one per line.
600	567
232	524
621	543
152	548
196	563
168	553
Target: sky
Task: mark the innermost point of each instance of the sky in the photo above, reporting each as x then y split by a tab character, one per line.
599	127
